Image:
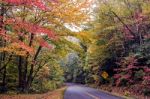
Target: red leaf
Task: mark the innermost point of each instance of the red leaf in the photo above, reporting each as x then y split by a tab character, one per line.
25	47
147	78
45	44
117	76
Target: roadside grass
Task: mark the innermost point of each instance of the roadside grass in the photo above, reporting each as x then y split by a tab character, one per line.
56	94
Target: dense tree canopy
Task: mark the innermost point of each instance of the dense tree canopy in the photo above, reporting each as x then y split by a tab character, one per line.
44	43
33	37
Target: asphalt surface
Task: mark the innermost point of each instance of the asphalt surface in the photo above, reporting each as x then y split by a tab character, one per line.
82	92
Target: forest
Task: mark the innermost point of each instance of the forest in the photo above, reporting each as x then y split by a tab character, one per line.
100	43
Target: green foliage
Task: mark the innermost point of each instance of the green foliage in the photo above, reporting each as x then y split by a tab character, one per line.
72	68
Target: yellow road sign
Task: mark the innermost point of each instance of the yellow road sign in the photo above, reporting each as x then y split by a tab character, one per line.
104	75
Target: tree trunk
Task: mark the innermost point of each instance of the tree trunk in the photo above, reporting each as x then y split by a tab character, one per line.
30	76
2	12
4	78
3	43
20	76
26	64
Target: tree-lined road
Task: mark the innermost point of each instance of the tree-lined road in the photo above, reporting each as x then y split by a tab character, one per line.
81	92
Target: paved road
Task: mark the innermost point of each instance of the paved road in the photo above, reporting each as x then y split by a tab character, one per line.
81	92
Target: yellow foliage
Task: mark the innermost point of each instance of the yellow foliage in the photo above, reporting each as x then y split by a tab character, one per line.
13	48
95	77
44	72
66	11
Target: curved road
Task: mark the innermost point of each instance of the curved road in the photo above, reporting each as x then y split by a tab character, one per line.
81	92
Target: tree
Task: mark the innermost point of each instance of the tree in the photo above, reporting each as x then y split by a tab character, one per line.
33	26
121	29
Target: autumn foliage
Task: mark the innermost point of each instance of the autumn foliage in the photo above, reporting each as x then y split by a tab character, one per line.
31	32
